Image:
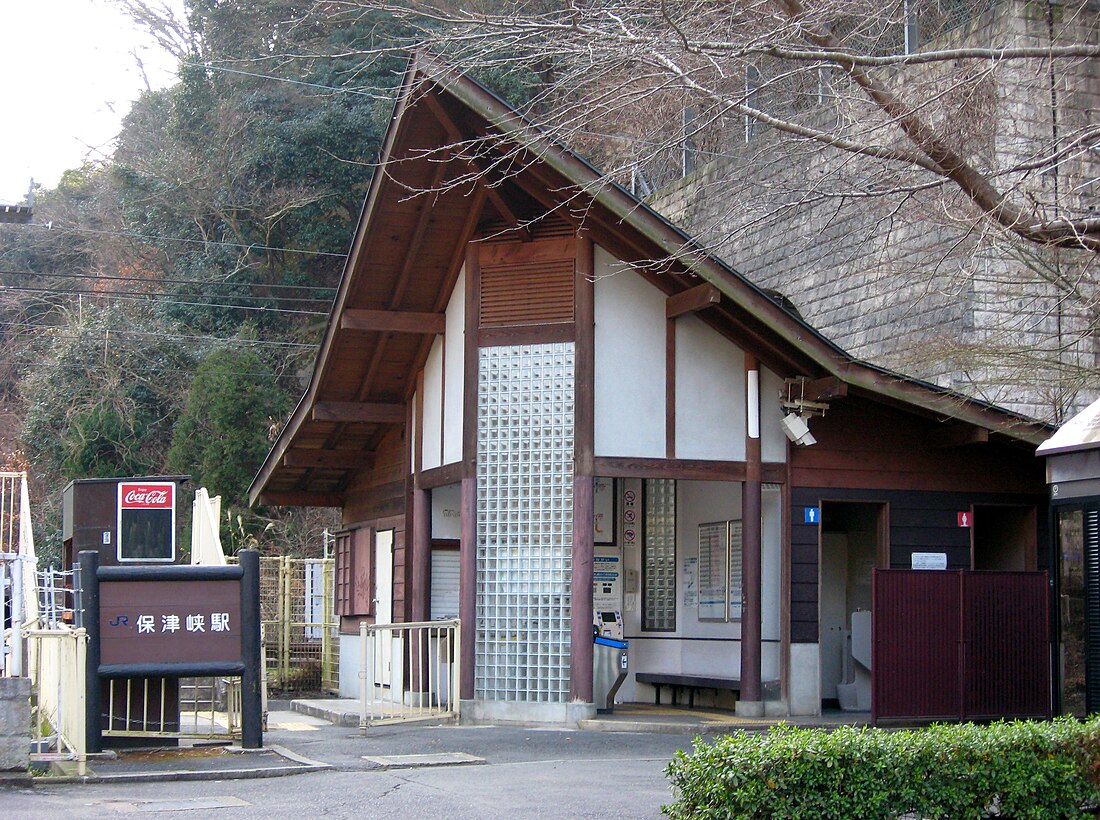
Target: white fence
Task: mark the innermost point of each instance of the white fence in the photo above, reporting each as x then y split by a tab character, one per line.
408	671
57	664
18	606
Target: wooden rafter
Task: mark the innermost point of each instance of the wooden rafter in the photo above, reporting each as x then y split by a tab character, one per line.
393	321
692	300
492	191
328	459
958	435
299	498
360	412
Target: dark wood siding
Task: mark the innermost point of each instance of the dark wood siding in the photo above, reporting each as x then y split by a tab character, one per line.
378	499
869	451
919	522
865	444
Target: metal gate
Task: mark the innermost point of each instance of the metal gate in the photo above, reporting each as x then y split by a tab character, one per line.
299	624
960	645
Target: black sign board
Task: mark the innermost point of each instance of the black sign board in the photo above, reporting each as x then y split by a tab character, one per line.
172	622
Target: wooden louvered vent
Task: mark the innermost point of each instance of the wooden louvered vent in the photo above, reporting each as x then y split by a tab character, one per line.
528	293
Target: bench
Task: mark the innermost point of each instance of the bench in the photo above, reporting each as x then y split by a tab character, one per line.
689	682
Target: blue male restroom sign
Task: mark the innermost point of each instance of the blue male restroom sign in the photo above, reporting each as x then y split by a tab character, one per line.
812	515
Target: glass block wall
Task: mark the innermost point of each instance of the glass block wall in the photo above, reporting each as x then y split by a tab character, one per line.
524	522
659	555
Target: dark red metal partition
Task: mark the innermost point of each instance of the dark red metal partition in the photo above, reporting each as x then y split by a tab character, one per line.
960	645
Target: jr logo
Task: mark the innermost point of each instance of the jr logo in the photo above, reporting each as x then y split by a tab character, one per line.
120	620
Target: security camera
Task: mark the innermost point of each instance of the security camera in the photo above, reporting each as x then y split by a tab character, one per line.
797	430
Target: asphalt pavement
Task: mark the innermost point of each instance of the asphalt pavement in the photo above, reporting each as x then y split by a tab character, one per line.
398	771
311	766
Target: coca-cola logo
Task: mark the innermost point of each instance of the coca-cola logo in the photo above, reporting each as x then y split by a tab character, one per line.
146	496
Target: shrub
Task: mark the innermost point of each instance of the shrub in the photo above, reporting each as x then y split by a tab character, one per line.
1019	769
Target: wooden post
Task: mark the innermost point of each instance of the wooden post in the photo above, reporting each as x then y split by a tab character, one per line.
252	731
467	586
93	691
580	657
751	702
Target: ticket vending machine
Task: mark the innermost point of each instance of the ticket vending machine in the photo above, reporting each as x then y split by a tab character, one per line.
610	661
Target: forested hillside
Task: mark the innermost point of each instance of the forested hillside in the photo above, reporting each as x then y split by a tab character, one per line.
160	312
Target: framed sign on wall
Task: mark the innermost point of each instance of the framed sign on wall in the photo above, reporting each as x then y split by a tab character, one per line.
719	571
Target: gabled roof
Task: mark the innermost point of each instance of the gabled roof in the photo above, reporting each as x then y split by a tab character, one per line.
457	159
1082	432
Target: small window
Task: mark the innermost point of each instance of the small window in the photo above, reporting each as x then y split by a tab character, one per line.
659	556
353	580
343	573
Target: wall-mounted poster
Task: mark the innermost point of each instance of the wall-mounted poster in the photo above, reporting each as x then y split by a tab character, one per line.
719	570
603	511
713	565
736	578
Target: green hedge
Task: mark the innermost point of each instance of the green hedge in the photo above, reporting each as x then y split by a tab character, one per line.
1019	769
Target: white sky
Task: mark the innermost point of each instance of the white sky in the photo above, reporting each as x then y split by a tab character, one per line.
68	77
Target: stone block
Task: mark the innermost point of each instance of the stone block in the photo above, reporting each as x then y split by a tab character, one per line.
15	724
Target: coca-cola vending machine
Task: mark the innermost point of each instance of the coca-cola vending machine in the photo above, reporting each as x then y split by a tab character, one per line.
126	520
146	521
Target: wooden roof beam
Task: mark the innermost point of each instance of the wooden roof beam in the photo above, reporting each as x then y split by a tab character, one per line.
328	459
357	412
692	300
299	498
825	389
455	135
394	321
958	435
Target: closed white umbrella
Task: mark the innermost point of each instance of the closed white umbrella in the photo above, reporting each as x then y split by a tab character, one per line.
206	542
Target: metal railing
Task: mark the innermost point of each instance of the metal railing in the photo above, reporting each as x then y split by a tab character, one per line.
57	596
207	708
408	671
57	667
300	625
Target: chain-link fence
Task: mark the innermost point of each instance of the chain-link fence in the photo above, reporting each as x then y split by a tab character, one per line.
300	627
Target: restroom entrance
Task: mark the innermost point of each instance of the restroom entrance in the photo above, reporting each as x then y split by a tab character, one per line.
853	542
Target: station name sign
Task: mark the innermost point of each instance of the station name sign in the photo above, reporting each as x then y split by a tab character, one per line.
169	622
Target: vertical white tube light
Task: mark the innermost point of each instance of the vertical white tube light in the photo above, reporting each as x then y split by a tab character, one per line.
752	398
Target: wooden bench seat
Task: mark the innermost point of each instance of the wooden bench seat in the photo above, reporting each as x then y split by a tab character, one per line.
689	682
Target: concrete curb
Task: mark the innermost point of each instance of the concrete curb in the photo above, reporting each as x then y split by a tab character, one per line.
339	717
304	766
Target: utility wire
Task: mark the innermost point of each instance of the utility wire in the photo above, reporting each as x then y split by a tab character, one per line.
174	336
152	238
167	281
161	298
337	89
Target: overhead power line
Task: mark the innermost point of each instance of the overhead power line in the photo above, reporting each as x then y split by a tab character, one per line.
321	86
174	336
199	282
154	238
115	294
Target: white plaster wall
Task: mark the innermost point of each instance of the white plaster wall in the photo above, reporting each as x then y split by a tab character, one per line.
773	442
707	647
710	393
771	556
446	512
349	666
629	362
454	349
803	689
433	406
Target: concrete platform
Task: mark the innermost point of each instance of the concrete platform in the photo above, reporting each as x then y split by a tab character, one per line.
630	717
